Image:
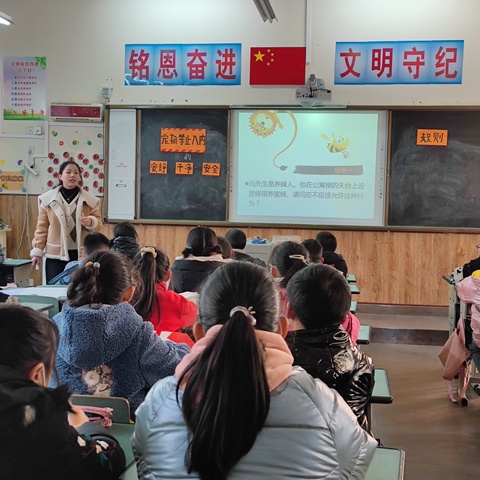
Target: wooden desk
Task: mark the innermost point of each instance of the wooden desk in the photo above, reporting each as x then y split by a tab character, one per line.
354	289
19	269
387	464
364	335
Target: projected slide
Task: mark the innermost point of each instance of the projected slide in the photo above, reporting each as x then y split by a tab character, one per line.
308	167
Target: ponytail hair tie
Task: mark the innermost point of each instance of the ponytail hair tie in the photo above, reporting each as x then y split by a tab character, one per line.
95	265
297	256
189	249
145	250
248	312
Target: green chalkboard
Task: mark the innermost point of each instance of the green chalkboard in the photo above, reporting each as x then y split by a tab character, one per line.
435	186
184	164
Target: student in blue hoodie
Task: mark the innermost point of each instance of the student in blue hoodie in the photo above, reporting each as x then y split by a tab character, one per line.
105	346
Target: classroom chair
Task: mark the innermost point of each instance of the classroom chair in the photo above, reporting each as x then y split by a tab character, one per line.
120	406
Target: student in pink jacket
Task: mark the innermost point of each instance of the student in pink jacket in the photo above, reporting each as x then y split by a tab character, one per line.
468	290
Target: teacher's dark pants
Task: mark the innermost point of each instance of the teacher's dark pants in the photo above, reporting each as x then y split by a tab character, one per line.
54	267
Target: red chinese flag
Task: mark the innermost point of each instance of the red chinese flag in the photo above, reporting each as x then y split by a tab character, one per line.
277	66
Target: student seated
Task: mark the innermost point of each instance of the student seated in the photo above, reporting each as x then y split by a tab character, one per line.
166	310
351	324
238	241
105	346
314	249
93	242
236	408
286	259
42	435
125	240
328	242
199	259
227	250
318	301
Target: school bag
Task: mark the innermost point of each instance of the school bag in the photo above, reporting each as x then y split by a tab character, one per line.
456	360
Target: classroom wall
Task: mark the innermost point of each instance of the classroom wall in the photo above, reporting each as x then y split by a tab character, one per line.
84	45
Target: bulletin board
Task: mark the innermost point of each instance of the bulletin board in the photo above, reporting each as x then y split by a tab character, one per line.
183	164
434	178
81	143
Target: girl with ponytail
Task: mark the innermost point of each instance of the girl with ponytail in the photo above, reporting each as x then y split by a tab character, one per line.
105	346
166	310
236	407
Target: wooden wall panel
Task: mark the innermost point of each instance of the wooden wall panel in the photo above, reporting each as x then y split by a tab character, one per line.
400	268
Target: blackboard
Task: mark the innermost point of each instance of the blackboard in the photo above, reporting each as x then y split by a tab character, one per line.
435	186
183	164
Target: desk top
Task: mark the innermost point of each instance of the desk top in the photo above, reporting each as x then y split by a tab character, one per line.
364	335
16	262
123	433
387	464
351	278
381	390
38	306
353	289
353	306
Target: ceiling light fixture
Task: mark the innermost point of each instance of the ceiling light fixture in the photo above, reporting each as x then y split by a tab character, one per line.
5	19
265	10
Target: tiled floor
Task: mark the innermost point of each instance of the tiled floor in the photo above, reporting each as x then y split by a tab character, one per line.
441	439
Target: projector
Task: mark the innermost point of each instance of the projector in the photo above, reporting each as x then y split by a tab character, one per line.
313	92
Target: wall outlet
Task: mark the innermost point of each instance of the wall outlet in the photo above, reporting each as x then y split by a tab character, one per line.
38	130
30	282
31	150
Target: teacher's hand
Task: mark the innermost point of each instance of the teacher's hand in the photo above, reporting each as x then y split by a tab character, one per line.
36	261
86	221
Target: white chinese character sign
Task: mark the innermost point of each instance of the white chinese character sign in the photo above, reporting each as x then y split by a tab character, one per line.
197	64
387	63
24	88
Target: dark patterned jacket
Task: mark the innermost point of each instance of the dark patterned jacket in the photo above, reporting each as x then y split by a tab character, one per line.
329	354
36	440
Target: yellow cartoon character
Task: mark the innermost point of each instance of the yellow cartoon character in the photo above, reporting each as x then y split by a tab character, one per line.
337	145
264	122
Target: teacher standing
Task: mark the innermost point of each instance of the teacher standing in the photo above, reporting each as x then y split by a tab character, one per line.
65	215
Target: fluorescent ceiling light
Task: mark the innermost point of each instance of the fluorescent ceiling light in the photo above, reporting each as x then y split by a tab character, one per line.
265	10
5	19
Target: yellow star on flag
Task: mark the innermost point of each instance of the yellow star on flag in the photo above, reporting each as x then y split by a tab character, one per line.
259	56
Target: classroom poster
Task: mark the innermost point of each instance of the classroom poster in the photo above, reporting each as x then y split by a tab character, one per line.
24	88
389	63
180	64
